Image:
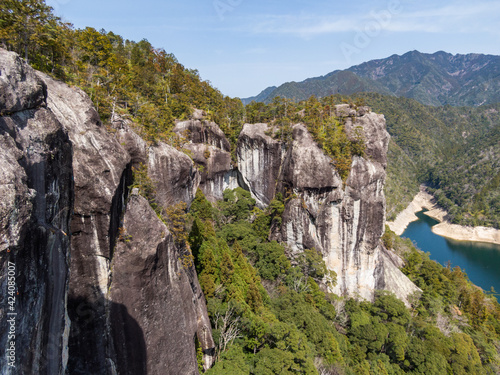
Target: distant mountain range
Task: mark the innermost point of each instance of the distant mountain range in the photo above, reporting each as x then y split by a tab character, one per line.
432	79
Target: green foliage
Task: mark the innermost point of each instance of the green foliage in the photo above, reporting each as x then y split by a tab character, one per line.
236	205
175	217
271	260
124	77
143	182
232	265
29	28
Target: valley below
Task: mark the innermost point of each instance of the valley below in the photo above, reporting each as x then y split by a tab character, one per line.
426	203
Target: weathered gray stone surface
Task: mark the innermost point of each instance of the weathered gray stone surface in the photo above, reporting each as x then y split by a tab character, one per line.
306	166
344	223
150	285
202	131
65	191
136	147
173	174
20	88
259	161
36	206
210	150
373	130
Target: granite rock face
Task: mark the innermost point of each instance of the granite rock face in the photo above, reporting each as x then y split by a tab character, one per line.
211	151
342	221
92	299
173	174
36	207
259	161
20	88
157	303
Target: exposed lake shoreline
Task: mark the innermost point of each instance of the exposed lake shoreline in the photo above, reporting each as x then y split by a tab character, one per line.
424	200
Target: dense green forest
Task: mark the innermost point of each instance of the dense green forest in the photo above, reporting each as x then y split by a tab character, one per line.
453	150
271	313
132	79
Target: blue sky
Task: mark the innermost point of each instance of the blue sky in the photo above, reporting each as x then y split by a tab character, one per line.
244	46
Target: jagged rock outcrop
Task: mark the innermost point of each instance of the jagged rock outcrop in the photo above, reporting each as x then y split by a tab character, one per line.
147	248
259	161
36	206
173	174
20	88
211	151
65	195
344	223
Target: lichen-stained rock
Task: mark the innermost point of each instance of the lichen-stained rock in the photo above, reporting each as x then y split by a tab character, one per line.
305	166
259	161
173	174
155	287
20	88
101	178
37	200
65	180
16	202
210	150
214	166
371	126
204	132
136	147
344	223
99	158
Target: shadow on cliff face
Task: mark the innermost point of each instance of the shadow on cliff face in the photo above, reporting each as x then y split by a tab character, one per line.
94	350
129	344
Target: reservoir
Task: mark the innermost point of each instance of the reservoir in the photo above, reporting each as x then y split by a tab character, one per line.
481	261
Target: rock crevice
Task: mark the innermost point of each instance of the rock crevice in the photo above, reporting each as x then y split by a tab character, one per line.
344	223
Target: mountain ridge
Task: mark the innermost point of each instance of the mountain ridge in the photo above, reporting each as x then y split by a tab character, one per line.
434	79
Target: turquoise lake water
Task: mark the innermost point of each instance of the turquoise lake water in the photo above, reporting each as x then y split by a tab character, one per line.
481	261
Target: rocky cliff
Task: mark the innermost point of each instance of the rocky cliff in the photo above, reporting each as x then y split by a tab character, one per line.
99	287
342	221
211	151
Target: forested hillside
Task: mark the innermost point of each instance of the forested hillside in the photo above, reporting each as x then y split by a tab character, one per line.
270	311
271	316
133	79
454	150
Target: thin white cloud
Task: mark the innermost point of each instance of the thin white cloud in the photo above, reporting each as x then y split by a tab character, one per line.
303	26
449	18
457	11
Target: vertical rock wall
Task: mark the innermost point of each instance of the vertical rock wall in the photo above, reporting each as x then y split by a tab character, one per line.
259	161
92	299
211	152
344	223
35	210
